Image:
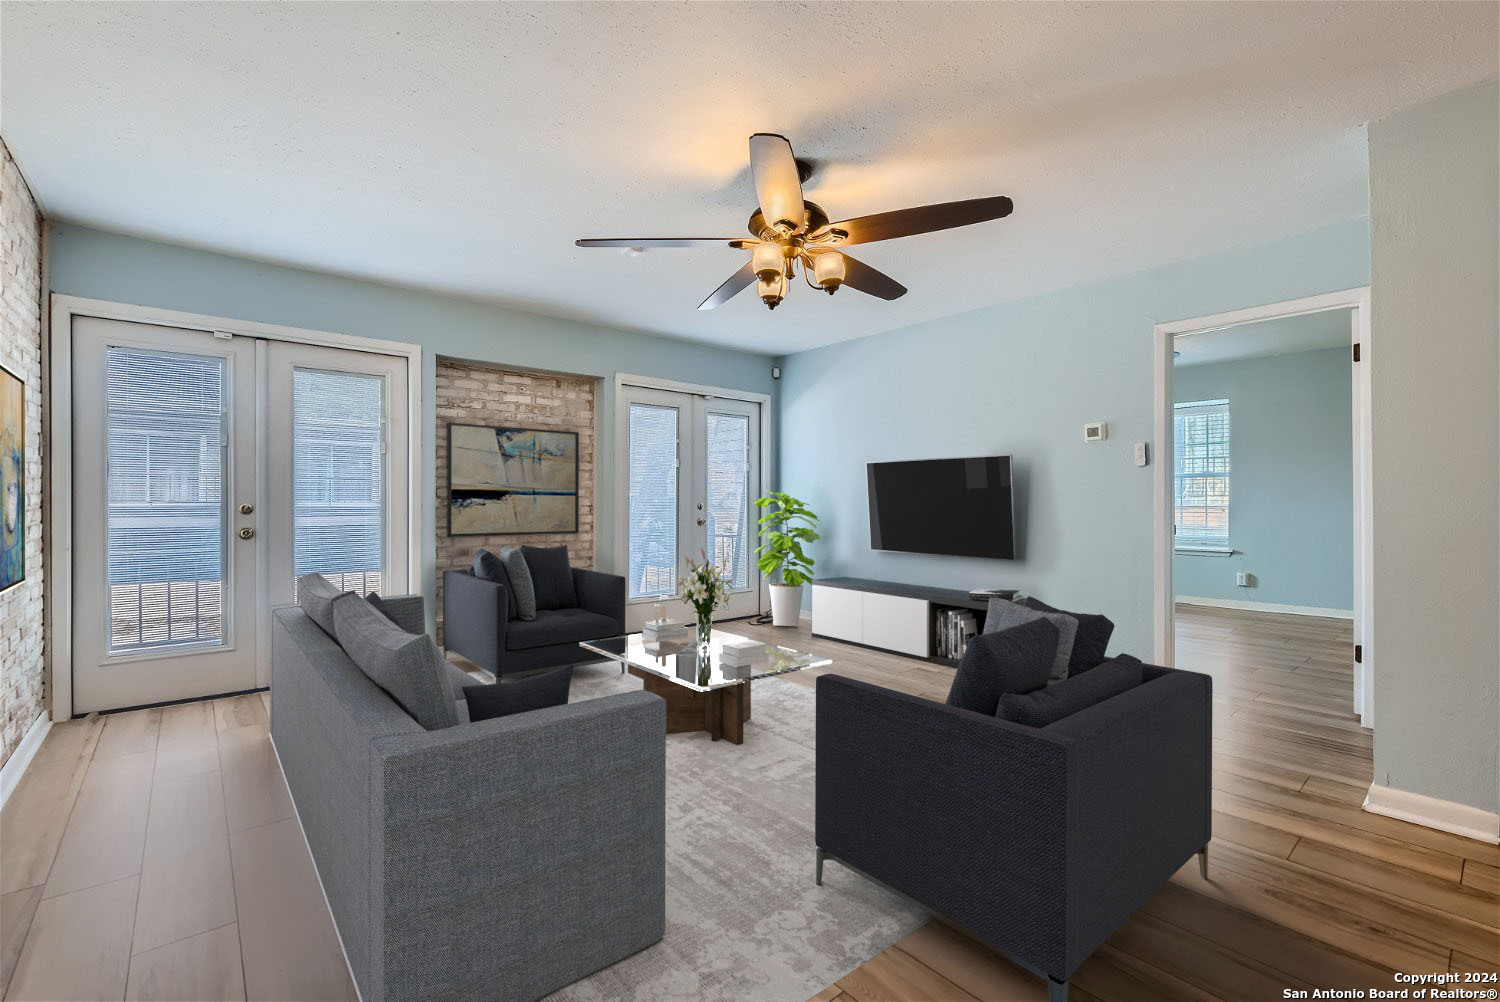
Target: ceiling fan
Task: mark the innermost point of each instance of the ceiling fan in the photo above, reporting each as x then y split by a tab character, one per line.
786	230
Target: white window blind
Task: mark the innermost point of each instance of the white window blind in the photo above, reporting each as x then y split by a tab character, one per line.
338	478
728	504
165	511
653	501
1200	494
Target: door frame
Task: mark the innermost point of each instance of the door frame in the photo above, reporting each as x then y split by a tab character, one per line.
1356	300
622	451
59	449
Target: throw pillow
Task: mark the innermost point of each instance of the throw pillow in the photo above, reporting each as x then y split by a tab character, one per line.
1040	708
315	594
521	583
1090	641
1015	660
1004	614
518	695
552	576
408	667
492	568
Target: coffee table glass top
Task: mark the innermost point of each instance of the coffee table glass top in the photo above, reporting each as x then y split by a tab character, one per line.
681	663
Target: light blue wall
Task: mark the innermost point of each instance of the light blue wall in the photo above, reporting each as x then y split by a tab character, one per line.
1022	379
1291	458
98	265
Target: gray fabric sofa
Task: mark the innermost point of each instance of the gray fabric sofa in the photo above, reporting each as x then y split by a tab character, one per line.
501	859
478	622
1038	840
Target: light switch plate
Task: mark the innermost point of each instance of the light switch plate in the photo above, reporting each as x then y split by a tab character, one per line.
1095	431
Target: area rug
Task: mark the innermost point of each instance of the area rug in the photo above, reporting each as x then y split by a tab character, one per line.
745	922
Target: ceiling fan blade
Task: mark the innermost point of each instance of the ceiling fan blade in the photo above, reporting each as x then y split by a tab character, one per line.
907	222
736	283
660	242
778	186
858	275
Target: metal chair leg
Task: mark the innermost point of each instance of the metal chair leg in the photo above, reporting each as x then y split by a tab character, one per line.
1057	991
1203	862
818	869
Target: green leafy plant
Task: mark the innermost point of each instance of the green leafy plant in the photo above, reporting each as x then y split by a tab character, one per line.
787	525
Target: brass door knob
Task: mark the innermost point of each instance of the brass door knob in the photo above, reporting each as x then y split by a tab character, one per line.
247	533
246	509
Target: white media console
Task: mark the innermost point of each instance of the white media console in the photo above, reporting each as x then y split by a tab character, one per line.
883	614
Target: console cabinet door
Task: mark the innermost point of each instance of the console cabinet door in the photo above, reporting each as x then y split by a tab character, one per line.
896	624
838	613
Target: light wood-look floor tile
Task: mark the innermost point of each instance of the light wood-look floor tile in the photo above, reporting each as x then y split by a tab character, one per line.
78	947
255	792
107	830
246	710
188	741
128	733
202	967
16	911
287	939
34	818
187	884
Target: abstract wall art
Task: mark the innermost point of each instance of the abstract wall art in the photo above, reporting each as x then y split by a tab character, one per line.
511	480
12	480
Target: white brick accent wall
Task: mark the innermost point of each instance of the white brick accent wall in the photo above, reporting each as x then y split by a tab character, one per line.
471	393
22	678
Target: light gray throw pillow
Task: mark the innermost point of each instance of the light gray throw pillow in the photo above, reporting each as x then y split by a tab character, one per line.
1003	614
520	581
315	594
408	667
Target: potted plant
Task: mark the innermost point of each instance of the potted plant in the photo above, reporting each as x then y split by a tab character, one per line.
787	525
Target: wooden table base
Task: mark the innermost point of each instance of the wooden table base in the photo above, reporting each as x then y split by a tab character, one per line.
722	712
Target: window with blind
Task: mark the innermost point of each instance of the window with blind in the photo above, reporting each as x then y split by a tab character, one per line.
165	516
653	501
1200	489
338	477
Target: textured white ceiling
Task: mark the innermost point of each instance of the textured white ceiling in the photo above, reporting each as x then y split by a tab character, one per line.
462	147
1283	336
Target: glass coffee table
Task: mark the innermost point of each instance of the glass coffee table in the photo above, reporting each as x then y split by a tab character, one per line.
701	692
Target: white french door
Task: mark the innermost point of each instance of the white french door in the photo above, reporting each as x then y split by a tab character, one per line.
692	475
209	470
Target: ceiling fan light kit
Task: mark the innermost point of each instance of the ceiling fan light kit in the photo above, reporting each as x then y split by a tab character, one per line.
801	231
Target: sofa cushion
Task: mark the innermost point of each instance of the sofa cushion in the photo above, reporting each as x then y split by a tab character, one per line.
560	626
551	576
1015	660
315	594
1004	614
1045	706
1090	641
407	666
519	695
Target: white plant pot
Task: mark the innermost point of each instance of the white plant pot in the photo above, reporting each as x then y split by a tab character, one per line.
786	604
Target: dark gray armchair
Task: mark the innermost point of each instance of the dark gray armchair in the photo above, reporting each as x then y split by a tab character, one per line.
1040	841
477	622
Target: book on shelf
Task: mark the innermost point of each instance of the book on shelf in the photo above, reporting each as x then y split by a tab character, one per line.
955	628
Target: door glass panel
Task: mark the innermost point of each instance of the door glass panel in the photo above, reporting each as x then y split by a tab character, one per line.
338	477
653	501
165	511
728	505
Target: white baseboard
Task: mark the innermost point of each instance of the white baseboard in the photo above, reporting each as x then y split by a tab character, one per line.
15	766
1444	815
1291	610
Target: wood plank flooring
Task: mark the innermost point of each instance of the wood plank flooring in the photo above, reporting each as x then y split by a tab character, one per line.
155	855
1305	890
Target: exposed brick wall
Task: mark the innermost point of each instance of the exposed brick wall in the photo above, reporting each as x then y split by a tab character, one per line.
22	679
471	393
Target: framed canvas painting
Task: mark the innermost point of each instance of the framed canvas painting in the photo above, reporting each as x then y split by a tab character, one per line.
504	481
12	479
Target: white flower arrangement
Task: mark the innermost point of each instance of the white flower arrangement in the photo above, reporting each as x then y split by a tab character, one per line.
704	587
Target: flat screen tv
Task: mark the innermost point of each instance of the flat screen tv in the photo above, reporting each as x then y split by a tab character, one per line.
958	507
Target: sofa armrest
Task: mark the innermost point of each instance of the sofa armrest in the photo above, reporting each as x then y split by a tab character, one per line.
543	834
1142	797
407	611
963	812
475	614
601	593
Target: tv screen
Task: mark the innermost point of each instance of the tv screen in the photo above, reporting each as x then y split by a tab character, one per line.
959	507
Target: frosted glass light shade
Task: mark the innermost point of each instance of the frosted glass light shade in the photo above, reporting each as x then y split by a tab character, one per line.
767	260
828	270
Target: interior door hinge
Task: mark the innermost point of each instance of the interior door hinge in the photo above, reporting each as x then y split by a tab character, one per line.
1356	351
1359	654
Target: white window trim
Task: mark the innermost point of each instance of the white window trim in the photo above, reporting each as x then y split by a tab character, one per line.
1202	543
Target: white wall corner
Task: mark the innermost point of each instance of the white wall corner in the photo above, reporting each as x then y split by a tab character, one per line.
1444	815
15	766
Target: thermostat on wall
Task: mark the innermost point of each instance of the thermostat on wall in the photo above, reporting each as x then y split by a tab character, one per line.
1095	431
